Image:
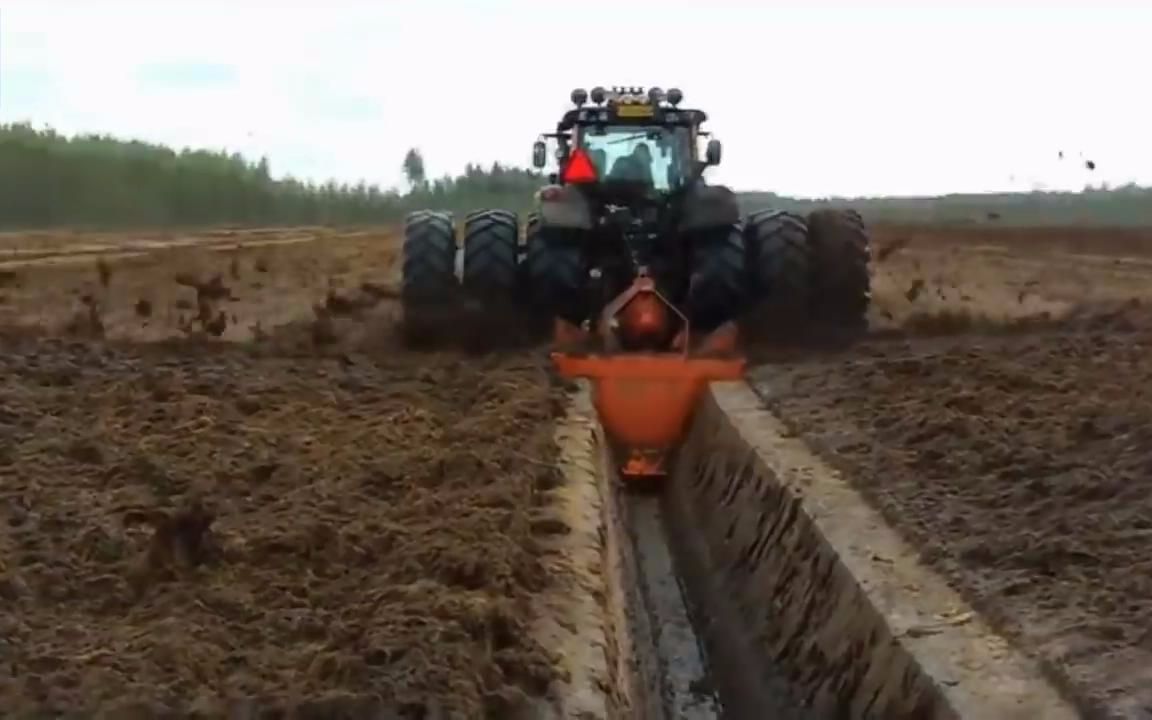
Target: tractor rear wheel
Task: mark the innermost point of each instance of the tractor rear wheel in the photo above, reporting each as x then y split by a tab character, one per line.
842	281
779	260
719	287
429	262
490	249
556	271
428	272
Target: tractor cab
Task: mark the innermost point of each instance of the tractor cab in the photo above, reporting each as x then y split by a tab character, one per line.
632	158
628	145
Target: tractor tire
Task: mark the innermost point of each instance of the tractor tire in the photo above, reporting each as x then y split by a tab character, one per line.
719	289
429	257
556	273
428	271
841	273
490	250
508	214
780	269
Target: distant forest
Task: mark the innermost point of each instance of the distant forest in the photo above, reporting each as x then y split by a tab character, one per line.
96	181
1130	205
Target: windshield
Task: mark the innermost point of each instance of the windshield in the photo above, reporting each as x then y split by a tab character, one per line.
655	155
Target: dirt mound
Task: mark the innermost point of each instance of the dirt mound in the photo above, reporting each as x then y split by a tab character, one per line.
192	525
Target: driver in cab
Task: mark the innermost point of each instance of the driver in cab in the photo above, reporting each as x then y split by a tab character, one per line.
635	167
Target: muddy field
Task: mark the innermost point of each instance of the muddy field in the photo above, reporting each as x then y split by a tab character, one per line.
223	478
233	285
1006	429
264	512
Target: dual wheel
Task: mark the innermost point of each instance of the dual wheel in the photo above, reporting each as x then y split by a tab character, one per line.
490	257
781	271
547	276
783	274
809	272
444	307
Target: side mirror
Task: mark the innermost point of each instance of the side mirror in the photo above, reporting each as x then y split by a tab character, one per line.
712	153
539	154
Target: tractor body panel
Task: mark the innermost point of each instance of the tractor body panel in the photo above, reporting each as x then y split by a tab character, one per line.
564	206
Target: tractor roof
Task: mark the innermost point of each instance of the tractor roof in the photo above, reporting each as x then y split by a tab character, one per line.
638	114
629	106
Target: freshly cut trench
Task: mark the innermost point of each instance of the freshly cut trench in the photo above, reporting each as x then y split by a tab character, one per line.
649	660
758	584
634	653
811	594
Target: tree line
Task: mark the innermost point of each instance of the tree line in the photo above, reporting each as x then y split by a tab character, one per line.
1130	205
51	180
96	181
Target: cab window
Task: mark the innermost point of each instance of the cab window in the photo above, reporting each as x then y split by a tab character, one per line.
656	155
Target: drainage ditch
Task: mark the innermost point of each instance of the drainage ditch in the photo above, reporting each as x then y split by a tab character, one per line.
758	584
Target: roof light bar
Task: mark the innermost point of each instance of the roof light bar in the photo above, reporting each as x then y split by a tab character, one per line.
628	95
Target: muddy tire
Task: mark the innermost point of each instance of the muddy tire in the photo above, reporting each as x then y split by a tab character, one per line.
429	262
780	273
719	291
490	250
841	272
556	273
428	276
515	217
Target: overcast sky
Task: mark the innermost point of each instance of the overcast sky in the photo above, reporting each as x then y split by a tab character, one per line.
809	98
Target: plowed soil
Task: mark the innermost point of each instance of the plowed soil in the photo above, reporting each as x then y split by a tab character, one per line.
225	484
280	515
1005	427
231	286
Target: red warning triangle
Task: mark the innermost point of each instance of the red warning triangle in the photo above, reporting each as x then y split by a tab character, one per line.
580	168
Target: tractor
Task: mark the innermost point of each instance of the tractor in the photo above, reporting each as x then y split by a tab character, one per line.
645	270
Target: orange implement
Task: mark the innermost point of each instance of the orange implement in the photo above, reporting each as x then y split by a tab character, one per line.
645	400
